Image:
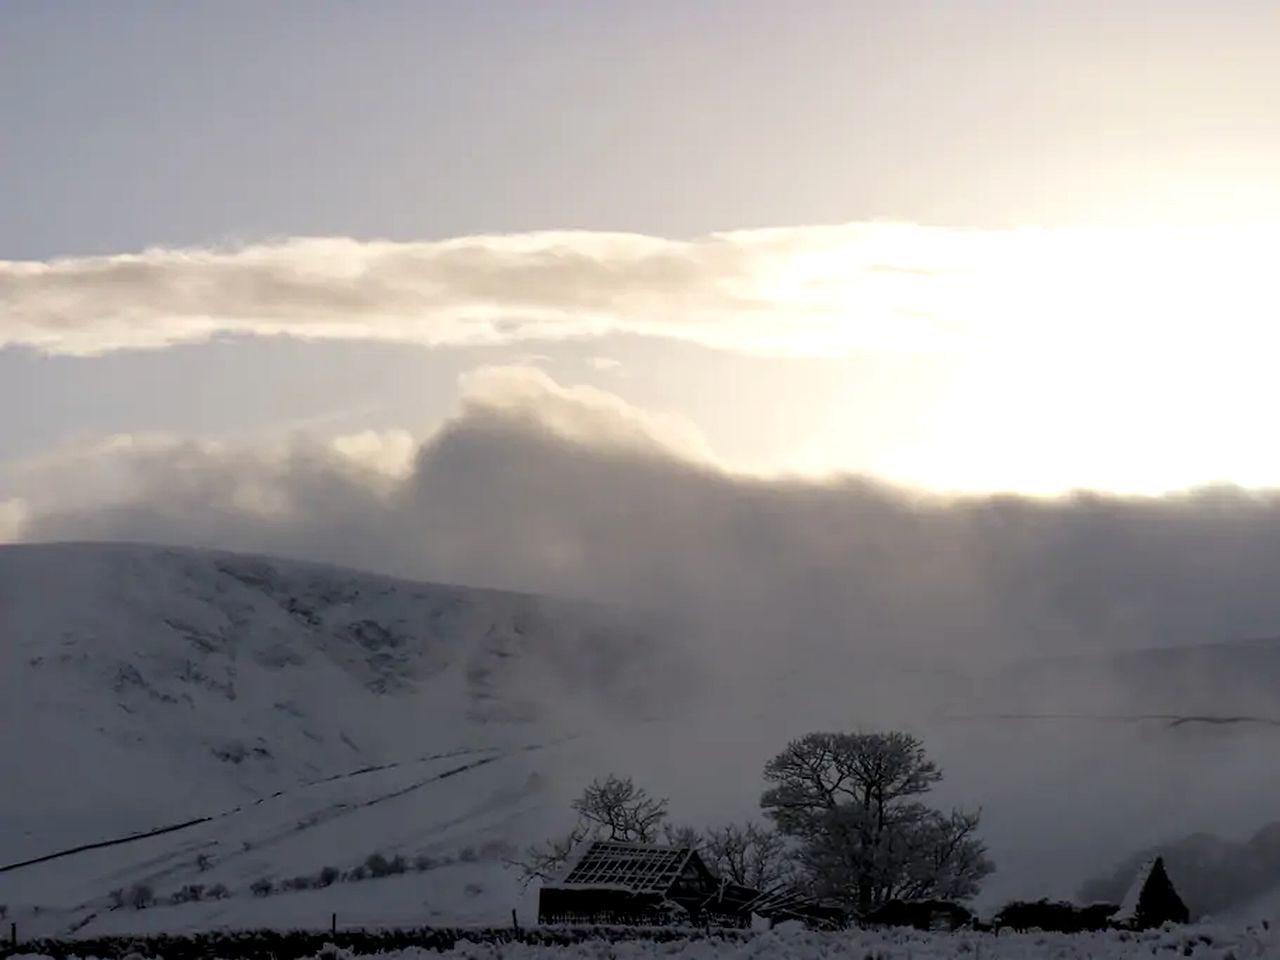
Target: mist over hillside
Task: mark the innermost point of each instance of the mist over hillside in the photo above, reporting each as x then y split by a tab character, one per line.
317	715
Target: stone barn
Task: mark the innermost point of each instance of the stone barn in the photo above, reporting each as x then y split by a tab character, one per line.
635	884
638	884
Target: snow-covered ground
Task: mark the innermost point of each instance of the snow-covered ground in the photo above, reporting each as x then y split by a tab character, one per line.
1198	943
1206	944
1264	908
452	814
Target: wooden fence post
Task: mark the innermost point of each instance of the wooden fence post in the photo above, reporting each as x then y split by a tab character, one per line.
333	924
515	924
13	934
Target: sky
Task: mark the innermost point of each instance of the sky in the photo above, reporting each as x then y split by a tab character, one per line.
839	237
957	248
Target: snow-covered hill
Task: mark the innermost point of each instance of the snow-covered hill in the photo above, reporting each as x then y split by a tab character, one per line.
316	715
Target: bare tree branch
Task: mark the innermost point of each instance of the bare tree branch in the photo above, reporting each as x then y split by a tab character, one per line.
626	812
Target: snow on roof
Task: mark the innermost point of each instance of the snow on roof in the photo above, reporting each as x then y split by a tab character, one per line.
1129	905
640	868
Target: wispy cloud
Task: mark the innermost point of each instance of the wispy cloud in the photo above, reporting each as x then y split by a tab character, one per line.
798	290
720	289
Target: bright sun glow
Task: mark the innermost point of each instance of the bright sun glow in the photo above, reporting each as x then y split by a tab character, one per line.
1130	360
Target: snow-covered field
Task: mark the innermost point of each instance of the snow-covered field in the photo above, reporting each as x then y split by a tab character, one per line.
1198	943
1209	944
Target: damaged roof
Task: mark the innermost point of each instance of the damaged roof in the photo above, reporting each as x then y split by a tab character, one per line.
640	868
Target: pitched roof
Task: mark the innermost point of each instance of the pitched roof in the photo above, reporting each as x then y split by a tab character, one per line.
1152	899
640	868
1129	905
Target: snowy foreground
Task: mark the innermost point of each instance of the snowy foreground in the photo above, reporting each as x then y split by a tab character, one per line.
1204	942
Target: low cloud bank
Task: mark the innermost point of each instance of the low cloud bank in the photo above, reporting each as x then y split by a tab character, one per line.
534	486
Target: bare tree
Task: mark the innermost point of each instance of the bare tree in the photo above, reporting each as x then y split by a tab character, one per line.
546	861
610	809
941	857
684	836
748	854
850	800
821	770
621	810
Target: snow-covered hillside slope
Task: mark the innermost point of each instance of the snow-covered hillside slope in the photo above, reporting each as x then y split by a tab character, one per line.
316	715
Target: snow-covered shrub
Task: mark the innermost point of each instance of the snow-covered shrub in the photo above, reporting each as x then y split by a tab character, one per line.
328	876
497	850
140	896
190	893
262	888
380	866
218	891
